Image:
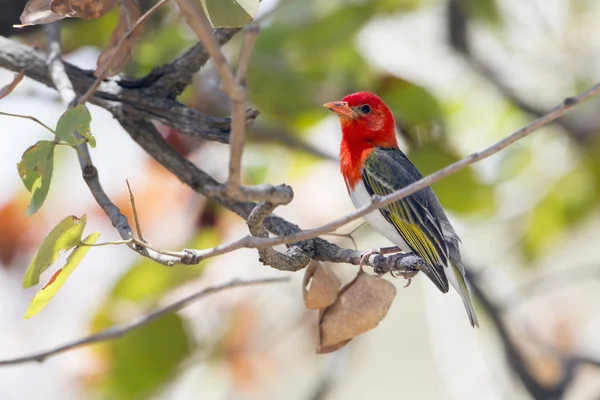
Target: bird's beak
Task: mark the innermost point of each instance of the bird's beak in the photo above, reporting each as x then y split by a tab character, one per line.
341	108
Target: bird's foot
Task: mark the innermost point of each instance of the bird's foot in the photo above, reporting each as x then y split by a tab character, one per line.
390	263
364	258
407	273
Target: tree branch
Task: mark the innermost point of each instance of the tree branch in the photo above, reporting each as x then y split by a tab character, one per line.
142	101
121	330
238	97
294	260
174	77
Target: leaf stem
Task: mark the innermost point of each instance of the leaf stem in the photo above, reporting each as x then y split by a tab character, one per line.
28	117
115	243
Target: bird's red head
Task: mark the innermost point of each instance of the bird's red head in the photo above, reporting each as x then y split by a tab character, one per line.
367	123
365	119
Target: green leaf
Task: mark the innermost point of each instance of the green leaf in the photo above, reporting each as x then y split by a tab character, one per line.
75	119
35	170
43	297
230	13
64	236
147	357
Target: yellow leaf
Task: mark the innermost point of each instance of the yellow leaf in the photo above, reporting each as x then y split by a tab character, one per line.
43	297
64	236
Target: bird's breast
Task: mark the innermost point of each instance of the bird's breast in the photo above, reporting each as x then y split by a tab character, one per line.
360	198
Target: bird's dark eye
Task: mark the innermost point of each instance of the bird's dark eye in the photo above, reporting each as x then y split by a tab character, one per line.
365	109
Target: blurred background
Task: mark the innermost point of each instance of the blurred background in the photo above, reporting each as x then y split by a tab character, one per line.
459	75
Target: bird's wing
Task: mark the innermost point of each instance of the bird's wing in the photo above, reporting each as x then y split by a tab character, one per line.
415	217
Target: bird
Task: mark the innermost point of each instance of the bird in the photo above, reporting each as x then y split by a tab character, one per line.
372	164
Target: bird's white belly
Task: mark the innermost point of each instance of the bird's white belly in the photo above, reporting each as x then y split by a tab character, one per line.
360	197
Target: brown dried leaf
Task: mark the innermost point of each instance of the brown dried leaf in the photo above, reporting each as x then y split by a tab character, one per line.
361	305
320	286
129	14
331	348
86	9
6	90
37	12
46	11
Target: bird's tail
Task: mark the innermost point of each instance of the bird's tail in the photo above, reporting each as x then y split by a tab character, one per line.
437	275
458	281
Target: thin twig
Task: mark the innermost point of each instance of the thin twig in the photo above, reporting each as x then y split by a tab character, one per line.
138	228
104	71
348	235
199	23
252	32
34	119
238	111
145	245
114	243
120	330
55	64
